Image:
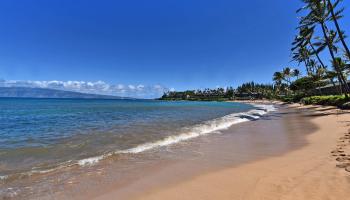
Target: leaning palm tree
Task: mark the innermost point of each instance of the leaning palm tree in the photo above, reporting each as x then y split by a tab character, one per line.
338	65
319	14
338	62
303	39
342	65
335	15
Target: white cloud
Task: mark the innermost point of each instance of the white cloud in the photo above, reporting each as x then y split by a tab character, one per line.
140	87
98	87
131	87
120	86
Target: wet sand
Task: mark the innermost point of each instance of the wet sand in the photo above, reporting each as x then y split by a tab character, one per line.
284	155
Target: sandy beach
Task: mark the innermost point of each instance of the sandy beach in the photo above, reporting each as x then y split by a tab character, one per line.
314	167
175	100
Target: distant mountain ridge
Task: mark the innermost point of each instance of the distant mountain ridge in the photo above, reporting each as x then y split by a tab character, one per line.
27	92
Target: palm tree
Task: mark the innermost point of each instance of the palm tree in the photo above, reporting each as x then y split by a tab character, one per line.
304	39
287	74
302	54
319	75
338	65
335	16
342	66
319	15
331	75
313	66
296	73
338	62
278	77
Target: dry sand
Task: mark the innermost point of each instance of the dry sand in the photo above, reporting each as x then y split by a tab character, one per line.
314	171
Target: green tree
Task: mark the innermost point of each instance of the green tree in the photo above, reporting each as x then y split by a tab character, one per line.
335	15
318	14
296	73
304	39
278	77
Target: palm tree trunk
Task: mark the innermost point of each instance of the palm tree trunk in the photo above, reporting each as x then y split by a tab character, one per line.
341	36
317	56
307	66
313	65
339	72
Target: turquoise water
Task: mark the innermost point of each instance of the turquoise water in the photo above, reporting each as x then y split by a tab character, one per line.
42	134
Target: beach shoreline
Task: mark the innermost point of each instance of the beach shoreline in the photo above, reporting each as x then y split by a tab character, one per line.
284	151
312	171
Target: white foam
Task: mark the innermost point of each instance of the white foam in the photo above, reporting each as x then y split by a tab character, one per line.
92	160
3	177
198	131
208	127
204	129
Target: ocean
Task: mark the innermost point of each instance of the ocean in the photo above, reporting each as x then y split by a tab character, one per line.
38	136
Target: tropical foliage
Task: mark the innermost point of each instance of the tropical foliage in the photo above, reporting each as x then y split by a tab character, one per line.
319	32
245	91
333	100
255	90
200	95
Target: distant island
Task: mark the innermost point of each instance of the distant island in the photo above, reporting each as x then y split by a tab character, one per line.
27	92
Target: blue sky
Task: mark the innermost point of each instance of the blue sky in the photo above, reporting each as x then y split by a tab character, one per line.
181	44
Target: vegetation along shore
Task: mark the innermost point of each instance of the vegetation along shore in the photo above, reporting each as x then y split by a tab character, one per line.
325	82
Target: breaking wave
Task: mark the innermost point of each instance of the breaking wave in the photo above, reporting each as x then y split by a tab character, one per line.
205	128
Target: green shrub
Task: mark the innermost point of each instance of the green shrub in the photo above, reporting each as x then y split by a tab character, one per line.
331	100
292	98
287	99
298	97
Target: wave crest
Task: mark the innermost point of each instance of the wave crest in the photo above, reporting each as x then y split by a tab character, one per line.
205	128
202	129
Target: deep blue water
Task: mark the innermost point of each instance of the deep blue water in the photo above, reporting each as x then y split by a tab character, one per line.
41	133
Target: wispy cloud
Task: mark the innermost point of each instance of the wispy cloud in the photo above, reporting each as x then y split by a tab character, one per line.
98	87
